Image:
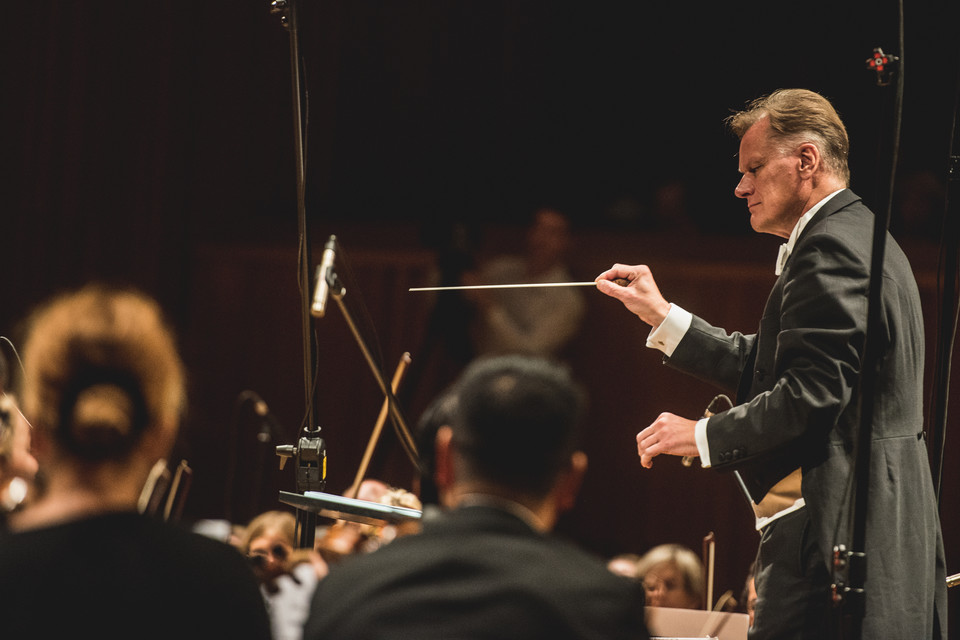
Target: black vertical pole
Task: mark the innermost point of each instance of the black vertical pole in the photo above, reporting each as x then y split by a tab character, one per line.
853	559
306	521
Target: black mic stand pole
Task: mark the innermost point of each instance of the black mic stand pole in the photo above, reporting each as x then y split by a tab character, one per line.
306	521
850	564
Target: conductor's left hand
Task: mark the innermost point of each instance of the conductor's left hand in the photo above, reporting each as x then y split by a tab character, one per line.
668	434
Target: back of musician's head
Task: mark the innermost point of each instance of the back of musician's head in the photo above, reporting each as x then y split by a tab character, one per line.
516	421
101	369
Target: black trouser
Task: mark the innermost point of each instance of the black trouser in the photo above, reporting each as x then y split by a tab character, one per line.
792	582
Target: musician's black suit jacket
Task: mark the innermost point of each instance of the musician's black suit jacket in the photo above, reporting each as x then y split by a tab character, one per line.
796	382
476	572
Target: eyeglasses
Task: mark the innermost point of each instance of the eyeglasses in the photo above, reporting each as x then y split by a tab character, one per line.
277	551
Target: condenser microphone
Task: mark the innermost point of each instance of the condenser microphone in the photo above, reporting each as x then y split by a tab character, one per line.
322	288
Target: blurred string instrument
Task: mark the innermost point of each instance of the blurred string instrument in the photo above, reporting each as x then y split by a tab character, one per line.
166	488
725	603
378	426
345	537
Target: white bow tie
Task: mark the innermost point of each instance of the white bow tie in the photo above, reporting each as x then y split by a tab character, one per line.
782	258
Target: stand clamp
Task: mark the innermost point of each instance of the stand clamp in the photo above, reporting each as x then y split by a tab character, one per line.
849	576
311	455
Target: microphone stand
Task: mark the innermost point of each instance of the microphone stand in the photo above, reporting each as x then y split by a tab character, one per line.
306	521
337	292
850	564
310	452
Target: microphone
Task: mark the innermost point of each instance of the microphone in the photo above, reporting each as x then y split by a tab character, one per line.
322	290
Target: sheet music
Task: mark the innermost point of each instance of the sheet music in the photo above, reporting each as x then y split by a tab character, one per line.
666	623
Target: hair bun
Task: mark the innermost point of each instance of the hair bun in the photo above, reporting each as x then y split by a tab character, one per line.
105	421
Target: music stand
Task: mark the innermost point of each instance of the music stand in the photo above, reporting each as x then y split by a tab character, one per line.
337	507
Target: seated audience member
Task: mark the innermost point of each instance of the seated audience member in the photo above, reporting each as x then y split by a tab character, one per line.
673	577
103	387
625	564
487	566
539	321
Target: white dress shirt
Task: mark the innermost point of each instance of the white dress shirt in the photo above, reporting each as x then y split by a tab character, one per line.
675	325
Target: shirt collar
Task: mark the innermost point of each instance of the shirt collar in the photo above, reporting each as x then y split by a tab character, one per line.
787	246
503	504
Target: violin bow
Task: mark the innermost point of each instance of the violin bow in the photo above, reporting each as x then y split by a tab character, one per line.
709	546
378	427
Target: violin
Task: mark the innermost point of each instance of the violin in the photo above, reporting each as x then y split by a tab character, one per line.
345	537
341	539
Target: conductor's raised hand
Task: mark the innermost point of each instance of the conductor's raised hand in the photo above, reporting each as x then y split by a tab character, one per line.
668	434
640	295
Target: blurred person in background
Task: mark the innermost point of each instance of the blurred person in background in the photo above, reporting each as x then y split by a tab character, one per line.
672	576
532	321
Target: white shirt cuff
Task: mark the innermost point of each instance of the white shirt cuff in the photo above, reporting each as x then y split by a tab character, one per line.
700	433
667	336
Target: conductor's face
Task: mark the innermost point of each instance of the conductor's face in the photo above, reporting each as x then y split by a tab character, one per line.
771	182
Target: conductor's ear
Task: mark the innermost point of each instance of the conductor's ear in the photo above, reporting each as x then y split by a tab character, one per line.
809	159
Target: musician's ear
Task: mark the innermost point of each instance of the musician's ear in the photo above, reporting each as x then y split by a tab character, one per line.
443	473
568	483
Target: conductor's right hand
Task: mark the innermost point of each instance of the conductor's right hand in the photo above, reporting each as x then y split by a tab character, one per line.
640	295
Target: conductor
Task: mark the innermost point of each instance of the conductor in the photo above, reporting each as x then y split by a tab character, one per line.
791	432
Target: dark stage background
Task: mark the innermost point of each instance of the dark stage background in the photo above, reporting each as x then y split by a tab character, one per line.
152	143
